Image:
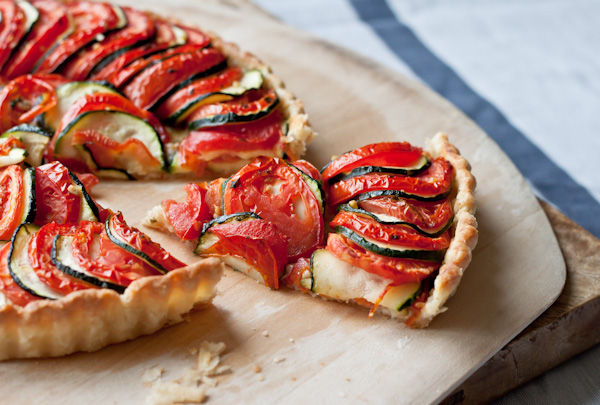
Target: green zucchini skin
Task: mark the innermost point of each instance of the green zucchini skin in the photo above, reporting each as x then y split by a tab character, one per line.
89	203
316	186
27	128
35	140
223	219
124	245
30	208
230	117
402	194
425	255
360	211
88	278
20	268
359	171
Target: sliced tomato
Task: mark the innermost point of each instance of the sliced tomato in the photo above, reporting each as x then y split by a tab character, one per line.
8	287
434	182
187	218
140	27
109	153
23	98
277	193
197	89
250	106
195	36
94	251
124	76
90	19
386	154
202	146
12	28
257	242
145	91
143	243
400	271
88	180
54	202
395	235
294	277
307	168
214	196
163	39
40	257
428	216
11	200
7	144
105	101
51	24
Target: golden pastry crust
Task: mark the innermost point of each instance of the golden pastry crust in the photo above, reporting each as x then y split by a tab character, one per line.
458	255
88	320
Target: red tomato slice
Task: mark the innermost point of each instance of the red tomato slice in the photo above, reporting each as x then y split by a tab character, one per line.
428	216
94	251
144	90
8	287
110	153
11	200
90	19
8	144
250	103
202	146
163	39
214	197
257	242
434	181
386	154
307	168
277	193
53	201
187	218
12	28
196	36
143	243
140	27
51	24
196	89
88	180
105	101
399	270
22	99
397	235
124	76
40	257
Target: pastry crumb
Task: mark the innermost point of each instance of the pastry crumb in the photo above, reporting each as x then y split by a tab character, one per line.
278	359
152	374
347	379
292	340
257	368
260	377
191	386
265	333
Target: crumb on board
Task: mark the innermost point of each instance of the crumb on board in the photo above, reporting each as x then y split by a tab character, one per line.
191	386
278	359
292	340
257	368
347	379
265	333
260	377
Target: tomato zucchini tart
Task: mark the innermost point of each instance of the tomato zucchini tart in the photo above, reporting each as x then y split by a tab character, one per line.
126	94
75	277
401	225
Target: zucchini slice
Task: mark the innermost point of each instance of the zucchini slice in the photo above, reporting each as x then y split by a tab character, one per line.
252	79
388	220
29	205
115	238
400	193
31	15
89	209
35	140
421	165
14	157
315	186
118	126
62	258
20	267
121	16
246	114
386	249
208	239
67	94
334	278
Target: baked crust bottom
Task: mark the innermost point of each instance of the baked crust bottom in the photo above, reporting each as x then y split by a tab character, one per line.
88	320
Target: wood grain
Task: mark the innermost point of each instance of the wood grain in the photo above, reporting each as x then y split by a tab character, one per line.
567	328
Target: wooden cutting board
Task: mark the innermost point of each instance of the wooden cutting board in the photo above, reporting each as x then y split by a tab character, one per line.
330	351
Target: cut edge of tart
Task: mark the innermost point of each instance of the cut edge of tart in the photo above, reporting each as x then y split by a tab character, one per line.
89	320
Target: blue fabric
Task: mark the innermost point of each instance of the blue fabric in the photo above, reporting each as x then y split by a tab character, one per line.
553	183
